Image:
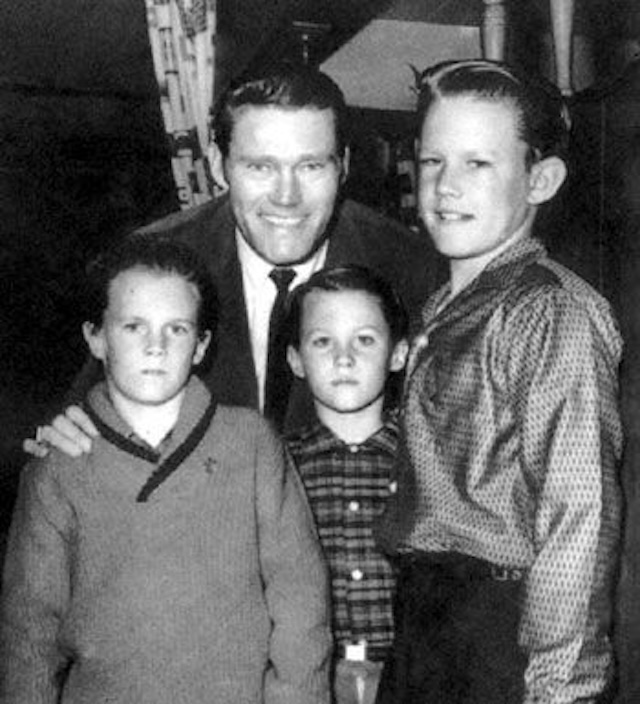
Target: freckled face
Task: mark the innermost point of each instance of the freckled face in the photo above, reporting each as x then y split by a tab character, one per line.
284	174
149	338
474	185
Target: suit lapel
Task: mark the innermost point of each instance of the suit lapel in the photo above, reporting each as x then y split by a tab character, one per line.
233	373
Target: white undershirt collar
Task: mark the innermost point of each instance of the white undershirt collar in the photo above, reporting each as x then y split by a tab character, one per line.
260	294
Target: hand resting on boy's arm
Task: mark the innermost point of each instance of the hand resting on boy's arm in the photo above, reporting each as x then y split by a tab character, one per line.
70	432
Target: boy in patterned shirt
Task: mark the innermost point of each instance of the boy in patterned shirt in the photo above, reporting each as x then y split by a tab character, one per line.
348	330
507	512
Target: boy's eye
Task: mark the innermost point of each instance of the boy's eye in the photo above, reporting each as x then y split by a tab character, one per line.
366	340
132	327
182	328
261	168
478	163
321	342
179	329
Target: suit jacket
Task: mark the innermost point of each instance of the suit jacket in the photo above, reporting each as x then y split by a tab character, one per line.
357	235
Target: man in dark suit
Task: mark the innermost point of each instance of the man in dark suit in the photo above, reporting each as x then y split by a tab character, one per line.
283	153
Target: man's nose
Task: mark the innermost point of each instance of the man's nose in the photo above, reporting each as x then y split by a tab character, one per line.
287	188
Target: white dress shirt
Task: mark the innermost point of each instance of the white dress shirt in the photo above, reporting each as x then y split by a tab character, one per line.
259	296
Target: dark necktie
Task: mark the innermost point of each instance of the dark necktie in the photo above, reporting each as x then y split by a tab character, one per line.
278	378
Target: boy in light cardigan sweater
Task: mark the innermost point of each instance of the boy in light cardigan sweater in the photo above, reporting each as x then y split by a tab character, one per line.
178	561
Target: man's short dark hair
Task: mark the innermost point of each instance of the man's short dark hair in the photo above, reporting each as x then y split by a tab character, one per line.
349	278
290	87
544	121
156	253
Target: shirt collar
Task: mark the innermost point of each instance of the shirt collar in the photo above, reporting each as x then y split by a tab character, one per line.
521	253
196	400
496	274
318	438
257	269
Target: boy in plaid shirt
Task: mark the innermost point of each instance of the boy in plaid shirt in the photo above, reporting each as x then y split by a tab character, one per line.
348	333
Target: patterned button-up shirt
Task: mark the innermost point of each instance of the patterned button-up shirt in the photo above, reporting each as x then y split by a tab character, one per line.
511	438
348	487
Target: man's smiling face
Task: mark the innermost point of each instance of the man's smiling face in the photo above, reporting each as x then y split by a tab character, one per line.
284	173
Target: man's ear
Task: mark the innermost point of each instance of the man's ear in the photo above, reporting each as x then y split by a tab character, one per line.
295	362
399	356
94	337
201	347
545	179
216	165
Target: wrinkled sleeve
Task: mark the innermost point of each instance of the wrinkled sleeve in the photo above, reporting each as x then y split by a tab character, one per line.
296	583
35	592
564	367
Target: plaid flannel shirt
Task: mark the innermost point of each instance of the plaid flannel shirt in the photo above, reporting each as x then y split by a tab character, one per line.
348	487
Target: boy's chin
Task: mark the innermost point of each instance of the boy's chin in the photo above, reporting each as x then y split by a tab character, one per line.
147	398
351	407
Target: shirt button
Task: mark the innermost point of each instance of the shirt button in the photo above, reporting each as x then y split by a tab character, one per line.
357	575
393	487
354	506
354	448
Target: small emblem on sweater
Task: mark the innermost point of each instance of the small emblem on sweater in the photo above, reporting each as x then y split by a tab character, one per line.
210	465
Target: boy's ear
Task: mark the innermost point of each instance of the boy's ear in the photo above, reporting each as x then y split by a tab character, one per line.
95	340
399	356
201	347
545	179
295	362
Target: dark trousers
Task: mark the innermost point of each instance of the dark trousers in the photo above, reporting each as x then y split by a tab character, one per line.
456	634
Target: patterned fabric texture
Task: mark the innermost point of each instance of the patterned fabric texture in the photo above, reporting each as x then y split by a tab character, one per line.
348	487
181	33
511	439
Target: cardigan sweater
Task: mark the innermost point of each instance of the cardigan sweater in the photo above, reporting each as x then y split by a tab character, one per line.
213	590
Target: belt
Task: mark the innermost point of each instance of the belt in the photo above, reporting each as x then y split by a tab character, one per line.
506	574
361	652
461	566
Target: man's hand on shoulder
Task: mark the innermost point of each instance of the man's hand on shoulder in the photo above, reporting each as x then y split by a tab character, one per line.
71	432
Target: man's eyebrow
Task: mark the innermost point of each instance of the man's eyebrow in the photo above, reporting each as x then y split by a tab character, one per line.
254	157
272	159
